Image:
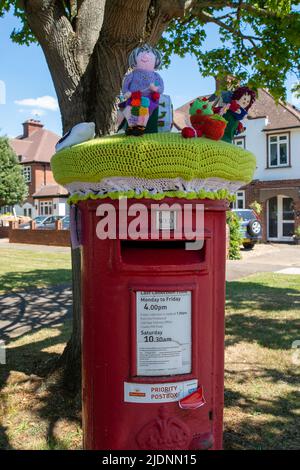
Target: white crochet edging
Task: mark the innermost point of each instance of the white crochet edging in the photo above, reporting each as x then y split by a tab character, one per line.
154	186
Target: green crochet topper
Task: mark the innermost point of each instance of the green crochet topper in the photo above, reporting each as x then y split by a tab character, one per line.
154	166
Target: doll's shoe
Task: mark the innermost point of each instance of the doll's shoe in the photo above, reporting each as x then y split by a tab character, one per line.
138	131
129	131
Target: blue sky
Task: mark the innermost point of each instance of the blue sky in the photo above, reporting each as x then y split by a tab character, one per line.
30	92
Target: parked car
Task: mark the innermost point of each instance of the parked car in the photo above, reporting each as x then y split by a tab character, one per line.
66	222
251	229
43	222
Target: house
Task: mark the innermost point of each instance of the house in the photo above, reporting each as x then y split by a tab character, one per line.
34	149
273	135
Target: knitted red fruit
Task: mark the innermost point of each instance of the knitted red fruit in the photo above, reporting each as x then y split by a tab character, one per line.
198	120
240	128
136	95
188	133
214	129
199	132
234	106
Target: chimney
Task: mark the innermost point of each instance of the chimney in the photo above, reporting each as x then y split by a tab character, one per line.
30	126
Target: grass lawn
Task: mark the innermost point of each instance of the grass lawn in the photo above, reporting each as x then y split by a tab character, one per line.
35	413
261	380
27	268
262	399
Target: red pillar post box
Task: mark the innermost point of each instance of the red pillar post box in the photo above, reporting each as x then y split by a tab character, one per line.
153	335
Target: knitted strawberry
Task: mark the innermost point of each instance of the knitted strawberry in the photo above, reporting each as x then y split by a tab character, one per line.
188	133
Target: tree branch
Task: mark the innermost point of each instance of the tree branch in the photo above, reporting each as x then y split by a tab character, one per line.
208	18
197	7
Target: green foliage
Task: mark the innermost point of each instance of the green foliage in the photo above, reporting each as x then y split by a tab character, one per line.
256	206
296	90
297	232
259	43
259	39
233	223
13	189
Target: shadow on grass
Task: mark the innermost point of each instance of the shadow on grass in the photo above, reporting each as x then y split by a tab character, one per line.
53	404
266	423
247	302
28	310
4	442
38	277
23	313
268	316
259	296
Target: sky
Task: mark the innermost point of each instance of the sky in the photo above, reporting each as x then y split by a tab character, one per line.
29	92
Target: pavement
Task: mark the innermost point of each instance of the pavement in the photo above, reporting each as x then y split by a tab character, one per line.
271	257
28	310
4	242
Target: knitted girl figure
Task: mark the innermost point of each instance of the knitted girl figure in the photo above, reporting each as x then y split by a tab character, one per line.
141	88
241	101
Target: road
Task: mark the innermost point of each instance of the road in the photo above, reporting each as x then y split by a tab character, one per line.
265	258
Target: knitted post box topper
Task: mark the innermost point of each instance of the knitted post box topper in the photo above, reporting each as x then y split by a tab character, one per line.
141	89
234	110
205	123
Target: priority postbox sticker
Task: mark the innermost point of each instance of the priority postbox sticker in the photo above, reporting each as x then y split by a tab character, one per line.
158	393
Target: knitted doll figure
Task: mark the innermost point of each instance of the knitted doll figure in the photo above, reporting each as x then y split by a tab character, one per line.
240	101
141	88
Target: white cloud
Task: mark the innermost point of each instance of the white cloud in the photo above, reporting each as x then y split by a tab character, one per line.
43	102
38	112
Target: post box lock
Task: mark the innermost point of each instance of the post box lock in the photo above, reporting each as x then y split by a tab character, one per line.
165	220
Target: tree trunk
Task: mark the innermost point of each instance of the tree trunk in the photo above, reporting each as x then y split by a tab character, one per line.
71	357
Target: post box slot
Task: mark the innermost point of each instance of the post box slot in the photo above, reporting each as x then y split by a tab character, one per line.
160	252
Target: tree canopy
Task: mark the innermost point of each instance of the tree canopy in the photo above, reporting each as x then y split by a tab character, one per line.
13	189
259	39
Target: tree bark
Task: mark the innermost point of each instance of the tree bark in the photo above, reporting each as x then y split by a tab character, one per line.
70	360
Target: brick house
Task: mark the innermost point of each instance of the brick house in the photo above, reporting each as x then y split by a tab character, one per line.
34	149
273	135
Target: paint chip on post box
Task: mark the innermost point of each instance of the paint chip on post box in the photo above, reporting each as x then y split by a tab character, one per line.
164	333
158	393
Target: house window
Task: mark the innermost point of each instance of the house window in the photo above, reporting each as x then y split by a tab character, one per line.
239	203
27	173
278	150
240	142
45	207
